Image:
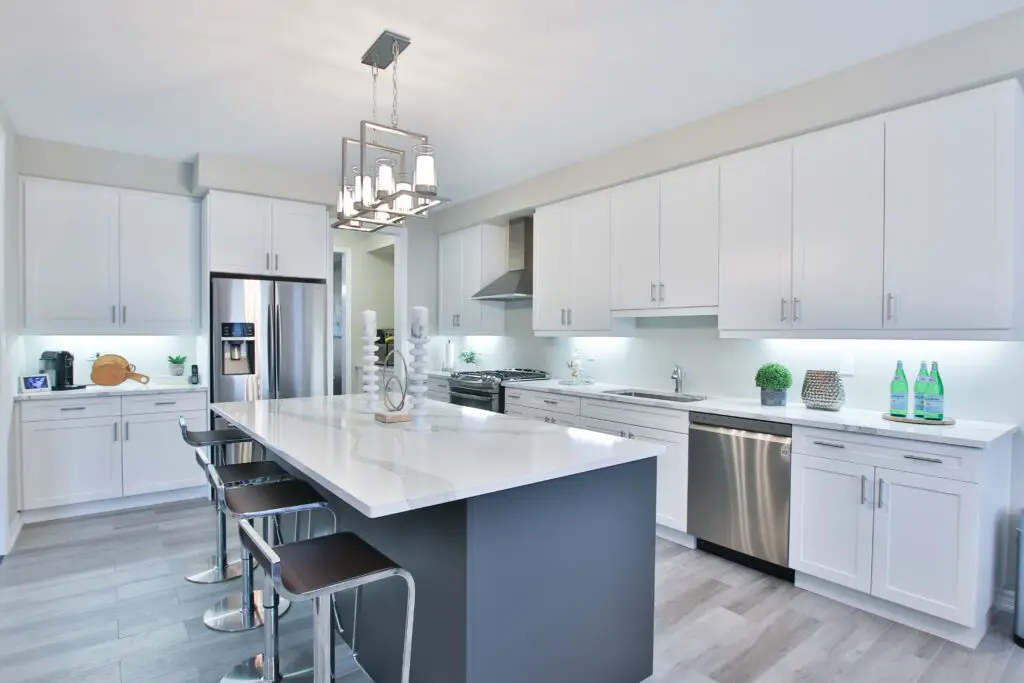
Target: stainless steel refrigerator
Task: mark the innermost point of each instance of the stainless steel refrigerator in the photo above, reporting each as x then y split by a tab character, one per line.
268	338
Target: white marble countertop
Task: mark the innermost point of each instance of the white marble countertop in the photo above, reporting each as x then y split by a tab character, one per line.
128	387
386	469
970	433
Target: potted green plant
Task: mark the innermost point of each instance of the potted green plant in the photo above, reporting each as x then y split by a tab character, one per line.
773	379
468	357
177	365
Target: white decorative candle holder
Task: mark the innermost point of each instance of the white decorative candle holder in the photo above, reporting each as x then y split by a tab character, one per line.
417	377
371	387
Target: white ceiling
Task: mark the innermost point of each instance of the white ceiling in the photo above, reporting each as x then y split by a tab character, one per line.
506	89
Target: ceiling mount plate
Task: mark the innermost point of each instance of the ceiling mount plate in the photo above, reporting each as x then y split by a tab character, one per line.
380	54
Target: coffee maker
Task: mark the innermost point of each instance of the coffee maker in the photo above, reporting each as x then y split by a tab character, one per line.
60	366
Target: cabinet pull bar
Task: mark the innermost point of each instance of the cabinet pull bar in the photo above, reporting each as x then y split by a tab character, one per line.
115	431
921	458
888	305
568	317
268	260
563	316
550	402
863	485
796	309
165	403
126	431
782	310
113	314
653	296
277	262
124	313
661	292
65	410
881	482
512	396
830	445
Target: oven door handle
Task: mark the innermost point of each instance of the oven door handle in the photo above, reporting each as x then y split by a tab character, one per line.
472	397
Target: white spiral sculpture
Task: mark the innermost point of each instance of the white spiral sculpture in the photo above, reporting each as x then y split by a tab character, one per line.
371	389
417	378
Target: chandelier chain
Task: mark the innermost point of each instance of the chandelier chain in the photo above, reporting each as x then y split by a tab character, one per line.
394	84
373	72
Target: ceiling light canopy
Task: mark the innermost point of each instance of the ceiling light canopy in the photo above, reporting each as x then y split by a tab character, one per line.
396	177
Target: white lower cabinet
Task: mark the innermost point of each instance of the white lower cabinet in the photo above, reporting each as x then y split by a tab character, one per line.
549	416
915	536
70	461
831	520
125	447
437	388
154	456
926	544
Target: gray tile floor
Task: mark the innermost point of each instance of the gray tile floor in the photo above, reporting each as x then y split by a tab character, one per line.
102	600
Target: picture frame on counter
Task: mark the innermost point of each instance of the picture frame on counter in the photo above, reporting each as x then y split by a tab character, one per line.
34	384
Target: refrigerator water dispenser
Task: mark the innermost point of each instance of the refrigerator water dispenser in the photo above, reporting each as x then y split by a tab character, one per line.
238	342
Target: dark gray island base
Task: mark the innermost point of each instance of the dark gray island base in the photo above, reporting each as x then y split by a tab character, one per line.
547	583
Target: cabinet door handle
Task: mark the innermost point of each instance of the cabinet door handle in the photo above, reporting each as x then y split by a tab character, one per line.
830	445
458	320
124	313
113	314
863	486
563	316
126	431
277	262
782	310
568	317
632	436
653	296
796	309
881	482
889	298
268	260
550	402
165	403
115	431
513	396
661	291
922	458
66	410
622	434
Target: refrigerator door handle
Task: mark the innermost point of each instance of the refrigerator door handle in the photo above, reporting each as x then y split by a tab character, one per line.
277	350
270	355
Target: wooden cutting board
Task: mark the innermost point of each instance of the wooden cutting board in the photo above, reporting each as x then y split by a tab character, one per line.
111	370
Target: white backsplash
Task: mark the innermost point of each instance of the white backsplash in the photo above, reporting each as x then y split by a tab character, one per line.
148	353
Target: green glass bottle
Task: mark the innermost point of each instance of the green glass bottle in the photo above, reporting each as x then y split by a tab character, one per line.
920	390
899	392
934	403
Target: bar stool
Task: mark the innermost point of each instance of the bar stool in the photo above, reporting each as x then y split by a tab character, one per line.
219	568
315	569
244	611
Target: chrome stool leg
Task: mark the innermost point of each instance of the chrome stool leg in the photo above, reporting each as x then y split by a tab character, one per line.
323	640
218	567
241	612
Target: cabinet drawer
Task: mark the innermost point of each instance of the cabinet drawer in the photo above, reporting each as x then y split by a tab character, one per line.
933	459
539	400
61	409
437	385
642	416
163	403
560	419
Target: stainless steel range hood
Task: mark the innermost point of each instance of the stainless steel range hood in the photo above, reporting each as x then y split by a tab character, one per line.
517	283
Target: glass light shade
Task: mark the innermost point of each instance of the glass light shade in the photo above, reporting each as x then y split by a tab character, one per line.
425	175
347	200
362	193
385	177
403	202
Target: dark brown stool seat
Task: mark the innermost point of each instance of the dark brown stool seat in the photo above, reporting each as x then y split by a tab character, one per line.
217	437
313	565
246	473
263	500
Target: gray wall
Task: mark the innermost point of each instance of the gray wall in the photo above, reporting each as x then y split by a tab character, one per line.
63	161
214	171
10	286
985	52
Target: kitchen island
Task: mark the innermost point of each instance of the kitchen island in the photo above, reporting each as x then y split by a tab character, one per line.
532	545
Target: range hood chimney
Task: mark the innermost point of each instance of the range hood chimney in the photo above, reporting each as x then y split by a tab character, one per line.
517	283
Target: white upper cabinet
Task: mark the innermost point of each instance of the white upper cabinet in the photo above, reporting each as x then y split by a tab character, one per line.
103	260
756	234
839	227
158	294
300	241
552	256
635	245
469	259
239	233
250	235
689	238
71	257
949	211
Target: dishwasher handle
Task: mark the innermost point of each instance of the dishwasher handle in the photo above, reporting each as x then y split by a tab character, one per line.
741	433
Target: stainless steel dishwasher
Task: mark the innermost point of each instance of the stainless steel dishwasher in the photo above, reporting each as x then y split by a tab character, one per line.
739	488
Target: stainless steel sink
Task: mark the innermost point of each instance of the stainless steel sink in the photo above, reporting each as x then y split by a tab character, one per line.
677	398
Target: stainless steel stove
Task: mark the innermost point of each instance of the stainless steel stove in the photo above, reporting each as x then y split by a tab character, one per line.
486	388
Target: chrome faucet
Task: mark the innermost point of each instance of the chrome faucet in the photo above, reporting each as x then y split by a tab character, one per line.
677	375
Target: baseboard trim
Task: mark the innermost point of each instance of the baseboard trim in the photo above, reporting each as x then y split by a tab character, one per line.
961	635
112	505
1005	600
13	530
678	537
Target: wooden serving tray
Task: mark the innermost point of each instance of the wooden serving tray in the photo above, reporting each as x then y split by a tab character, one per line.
390	418
916	421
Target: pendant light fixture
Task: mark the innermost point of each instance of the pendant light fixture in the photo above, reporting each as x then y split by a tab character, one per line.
378	192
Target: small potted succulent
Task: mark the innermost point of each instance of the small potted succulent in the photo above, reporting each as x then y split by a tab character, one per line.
773	379
468	357
177	365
